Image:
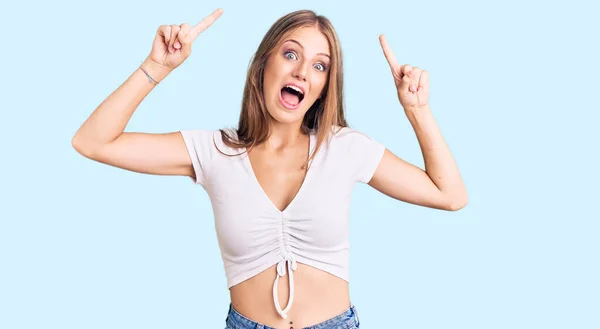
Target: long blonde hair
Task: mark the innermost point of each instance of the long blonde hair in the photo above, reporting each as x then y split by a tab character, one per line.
325	113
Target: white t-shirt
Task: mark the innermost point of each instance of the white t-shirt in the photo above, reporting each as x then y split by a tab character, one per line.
253	234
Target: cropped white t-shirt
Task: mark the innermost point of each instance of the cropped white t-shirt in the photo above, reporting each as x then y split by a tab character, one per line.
253	234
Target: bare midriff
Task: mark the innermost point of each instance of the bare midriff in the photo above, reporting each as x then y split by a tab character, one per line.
318	296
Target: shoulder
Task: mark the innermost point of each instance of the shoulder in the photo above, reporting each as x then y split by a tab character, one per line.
211	140
207	150
347	141
198	134
356	153
347	136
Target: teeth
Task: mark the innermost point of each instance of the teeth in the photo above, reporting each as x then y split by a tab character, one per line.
295	88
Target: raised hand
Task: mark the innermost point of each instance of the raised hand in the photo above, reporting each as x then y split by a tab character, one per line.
412	83
173	43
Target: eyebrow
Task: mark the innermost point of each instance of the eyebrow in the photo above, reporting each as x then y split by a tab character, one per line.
299	44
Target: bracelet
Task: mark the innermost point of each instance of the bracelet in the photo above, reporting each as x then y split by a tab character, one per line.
150	78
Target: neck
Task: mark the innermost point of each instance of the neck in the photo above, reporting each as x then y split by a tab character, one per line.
285	136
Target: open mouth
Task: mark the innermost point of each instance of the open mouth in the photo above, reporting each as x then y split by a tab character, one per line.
291	96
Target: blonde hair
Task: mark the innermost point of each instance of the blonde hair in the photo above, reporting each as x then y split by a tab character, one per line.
325	113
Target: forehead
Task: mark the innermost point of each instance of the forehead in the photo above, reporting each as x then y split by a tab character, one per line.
311	38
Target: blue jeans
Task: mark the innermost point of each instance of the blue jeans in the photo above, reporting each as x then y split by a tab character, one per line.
347	320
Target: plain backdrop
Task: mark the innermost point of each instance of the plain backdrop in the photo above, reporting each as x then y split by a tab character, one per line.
514	89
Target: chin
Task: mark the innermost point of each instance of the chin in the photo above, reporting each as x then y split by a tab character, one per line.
284	116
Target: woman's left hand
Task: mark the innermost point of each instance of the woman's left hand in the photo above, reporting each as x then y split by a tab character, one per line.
411	82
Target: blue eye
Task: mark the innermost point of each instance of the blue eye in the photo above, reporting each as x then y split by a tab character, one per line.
323	68
289	52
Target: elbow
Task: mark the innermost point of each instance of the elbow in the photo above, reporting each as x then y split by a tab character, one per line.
78	145
458	204
82	147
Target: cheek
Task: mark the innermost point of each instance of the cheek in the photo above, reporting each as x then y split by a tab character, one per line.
319	85
272	77
269	86
270	71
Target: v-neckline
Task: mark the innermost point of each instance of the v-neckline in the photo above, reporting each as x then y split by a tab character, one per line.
248	163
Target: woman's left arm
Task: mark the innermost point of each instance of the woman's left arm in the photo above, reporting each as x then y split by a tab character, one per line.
440	185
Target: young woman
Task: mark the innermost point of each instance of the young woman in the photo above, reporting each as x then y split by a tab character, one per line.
280	183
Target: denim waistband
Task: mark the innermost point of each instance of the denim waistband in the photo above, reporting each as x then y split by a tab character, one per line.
346	320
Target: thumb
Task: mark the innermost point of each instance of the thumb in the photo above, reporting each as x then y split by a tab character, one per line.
186	42
407	78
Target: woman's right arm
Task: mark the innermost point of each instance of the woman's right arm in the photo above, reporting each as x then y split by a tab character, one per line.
102	137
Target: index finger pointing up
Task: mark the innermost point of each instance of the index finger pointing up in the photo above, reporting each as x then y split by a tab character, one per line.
205	23
387	51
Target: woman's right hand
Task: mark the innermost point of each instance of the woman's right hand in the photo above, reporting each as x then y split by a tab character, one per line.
173	43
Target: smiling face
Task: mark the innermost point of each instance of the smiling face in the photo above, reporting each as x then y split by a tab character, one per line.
295	74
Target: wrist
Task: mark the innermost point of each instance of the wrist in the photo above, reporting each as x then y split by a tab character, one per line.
418	114
417	108
157	71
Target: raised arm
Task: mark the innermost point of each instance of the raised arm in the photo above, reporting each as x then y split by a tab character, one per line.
438	186
102	138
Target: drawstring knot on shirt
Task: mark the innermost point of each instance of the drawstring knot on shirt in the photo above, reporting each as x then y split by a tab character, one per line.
290	260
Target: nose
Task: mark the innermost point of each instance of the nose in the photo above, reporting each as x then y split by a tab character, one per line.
300	72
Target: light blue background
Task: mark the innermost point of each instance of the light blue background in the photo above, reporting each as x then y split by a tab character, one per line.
514	89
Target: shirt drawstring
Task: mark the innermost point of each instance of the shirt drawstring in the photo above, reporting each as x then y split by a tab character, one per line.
281	270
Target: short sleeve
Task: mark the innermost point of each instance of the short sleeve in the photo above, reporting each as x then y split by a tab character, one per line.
364	152
201	149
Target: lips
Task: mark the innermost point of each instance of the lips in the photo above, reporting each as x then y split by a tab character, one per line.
291	95
288	105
